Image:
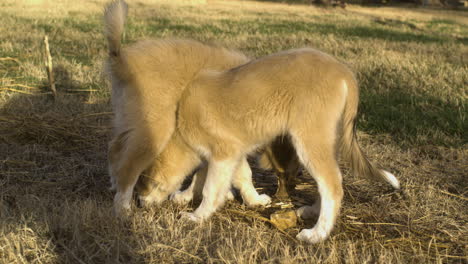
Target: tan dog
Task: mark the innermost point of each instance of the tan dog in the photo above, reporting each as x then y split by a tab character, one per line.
303	93
146	73
148	79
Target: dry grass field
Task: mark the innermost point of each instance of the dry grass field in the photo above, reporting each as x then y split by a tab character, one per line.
412	65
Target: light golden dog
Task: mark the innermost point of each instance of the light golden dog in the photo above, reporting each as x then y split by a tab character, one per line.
223	116
303	93
148	79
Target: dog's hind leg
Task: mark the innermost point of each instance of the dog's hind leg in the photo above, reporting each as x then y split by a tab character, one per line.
194	190
318	157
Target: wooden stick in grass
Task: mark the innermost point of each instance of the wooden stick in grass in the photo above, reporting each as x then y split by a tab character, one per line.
48	64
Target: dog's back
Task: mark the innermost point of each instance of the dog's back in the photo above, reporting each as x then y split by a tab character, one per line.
284	88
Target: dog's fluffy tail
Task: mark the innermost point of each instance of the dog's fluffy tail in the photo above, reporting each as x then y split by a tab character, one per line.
114	20
351	150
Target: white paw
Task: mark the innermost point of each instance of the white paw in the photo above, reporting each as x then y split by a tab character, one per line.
230	196
122	204
391	179
156	196
181	197
146	201
311	236
191	217
308	212
121	212
260	200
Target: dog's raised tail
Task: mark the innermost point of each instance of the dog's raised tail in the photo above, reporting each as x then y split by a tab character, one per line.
114	20
350	148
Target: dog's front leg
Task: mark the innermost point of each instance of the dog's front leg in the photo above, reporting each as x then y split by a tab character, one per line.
243	181
194	190
217	184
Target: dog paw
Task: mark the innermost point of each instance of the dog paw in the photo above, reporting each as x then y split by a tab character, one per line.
146	201
260	200
122	205
311	236
191	217
181	197
156	196
230	196
122	213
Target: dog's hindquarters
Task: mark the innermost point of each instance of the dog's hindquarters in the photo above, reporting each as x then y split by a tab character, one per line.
314	131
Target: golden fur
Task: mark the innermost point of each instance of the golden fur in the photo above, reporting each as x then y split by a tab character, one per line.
171	114
148	79
303	93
